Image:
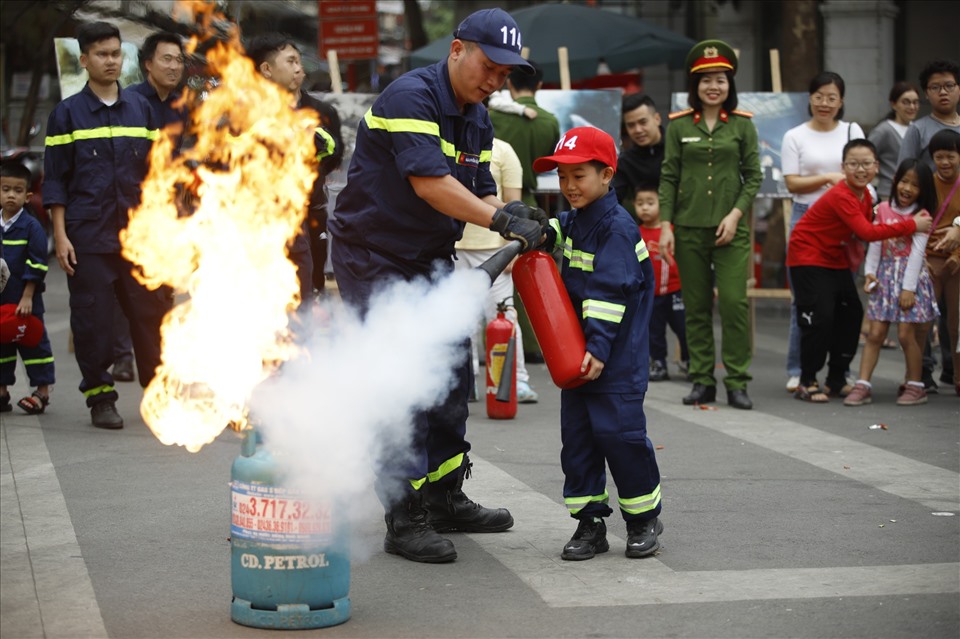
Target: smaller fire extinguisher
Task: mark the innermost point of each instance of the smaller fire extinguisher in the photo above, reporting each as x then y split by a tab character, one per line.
501	366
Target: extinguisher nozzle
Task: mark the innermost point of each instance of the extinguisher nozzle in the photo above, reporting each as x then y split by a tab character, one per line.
499	260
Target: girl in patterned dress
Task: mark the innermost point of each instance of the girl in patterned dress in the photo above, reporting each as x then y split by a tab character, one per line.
899	286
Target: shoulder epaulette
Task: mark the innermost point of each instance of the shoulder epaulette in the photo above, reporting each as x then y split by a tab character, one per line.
746	114
680	114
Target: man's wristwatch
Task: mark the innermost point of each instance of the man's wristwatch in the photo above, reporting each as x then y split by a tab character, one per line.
956	221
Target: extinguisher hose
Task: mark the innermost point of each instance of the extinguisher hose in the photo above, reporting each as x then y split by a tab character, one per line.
506	376
499	260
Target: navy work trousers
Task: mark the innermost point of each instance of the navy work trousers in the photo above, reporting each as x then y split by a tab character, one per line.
600	429
99	282
439	433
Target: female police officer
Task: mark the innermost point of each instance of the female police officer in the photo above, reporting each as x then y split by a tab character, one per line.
711	173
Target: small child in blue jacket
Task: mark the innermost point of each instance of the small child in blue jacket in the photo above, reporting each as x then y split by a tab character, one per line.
607	272
25	251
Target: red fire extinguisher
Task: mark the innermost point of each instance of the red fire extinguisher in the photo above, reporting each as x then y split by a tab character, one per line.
501	366
552	316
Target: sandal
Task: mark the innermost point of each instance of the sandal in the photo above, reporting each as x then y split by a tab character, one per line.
35	404
811	393
843	392
890	344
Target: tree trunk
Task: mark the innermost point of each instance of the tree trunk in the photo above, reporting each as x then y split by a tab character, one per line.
800	54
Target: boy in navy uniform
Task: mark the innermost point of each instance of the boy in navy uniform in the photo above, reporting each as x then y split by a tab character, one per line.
96	154
25	251
606	270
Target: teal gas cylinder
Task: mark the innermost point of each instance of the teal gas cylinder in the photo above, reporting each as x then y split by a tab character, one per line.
290	562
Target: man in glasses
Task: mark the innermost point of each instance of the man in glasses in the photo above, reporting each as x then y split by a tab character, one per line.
939	83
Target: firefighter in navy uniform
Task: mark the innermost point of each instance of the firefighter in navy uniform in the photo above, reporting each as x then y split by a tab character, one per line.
710	176
420	170
96	154
278	59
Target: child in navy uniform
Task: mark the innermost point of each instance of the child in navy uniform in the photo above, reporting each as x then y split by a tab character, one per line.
668	306
607	272
25	251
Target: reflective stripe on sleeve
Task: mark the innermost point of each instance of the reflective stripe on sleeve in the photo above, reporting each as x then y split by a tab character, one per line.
39	267
15	242
418	483
642	253
329	146
603	311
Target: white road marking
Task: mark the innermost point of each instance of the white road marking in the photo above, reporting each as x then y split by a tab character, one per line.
531	549
934	487
45	588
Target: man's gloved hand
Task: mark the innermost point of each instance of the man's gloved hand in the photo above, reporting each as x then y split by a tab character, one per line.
512	227
521	209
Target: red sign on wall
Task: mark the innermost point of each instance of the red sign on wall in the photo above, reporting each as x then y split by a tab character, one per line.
350	28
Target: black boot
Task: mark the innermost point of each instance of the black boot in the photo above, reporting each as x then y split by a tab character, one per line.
450	510
642	537
701	395
409	535
589	540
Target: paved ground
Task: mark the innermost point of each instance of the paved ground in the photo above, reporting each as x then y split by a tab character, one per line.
790	520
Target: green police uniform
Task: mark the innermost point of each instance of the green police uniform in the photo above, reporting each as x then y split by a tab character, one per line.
705	175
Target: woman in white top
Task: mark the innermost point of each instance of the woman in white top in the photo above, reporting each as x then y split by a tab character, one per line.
888	134
811	156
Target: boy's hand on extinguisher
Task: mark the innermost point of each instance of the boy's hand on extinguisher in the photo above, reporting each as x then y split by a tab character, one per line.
591	367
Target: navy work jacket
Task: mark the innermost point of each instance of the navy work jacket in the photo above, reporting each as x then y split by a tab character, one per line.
25	250
414	128
94	163
607	272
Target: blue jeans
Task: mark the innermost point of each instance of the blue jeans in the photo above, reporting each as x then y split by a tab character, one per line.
793	339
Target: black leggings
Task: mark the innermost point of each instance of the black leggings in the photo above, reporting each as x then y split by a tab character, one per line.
829	313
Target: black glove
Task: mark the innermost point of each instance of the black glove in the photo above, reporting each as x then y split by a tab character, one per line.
521	209
512	227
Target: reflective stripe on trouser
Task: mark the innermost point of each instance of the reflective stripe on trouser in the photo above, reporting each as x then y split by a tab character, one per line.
696	253
98	281
600	429
438	434
37	360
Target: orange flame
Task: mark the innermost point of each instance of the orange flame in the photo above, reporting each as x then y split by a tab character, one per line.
226	260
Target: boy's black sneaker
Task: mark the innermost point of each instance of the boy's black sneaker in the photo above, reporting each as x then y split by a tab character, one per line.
642	537
658	371
589	540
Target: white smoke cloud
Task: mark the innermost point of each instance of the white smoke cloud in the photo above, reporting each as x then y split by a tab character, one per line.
328	416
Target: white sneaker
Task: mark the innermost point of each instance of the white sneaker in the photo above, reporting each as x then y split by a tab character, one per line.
793	383
525	394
